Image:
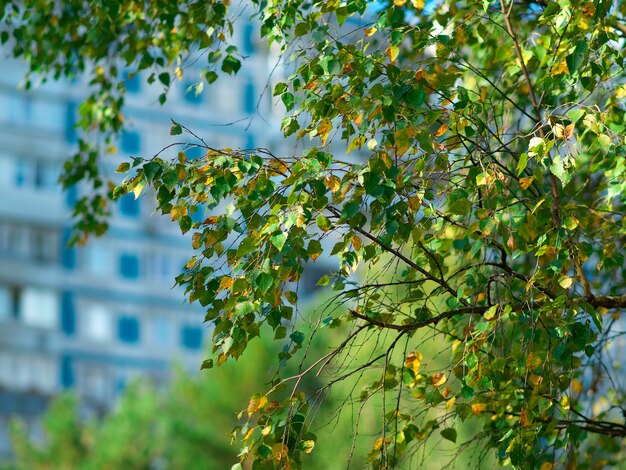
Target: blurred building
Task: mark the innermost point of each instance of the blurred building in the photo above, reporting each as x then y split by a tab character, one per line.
92	318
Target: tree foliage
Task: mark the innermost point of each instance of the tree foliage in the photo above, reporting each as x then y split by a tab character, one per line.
484	206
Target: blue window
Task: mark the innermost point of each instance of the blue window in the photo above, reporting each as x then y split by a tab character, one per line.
199	215
193	152
128	329
191	337
71	135
249	98
129	266
68	254
129	206
248	41
131	142
67	372
250	142
133	84
68	315
71	196
190	96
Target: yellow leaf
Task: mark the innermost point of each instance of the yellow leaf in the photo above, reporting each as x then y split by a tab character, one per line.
439	379
588	10
195	240
179	73
566	282
441	131
178	211
420	75
559	130
478	408
532	361
280	451
225	283
526	182
256	403
535	379
523	418
491	313
399	3
323	130
446	391
413	361
415	203
392	53
138	188
577	386
378	444
370	31
561	68
248	434
356	242
511	243
333	183
450	403
308	446
569	130
418	4
278	166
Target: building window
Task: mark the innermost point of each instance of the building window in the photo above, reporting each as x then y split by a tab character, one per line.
40	307
248	39
71	135
68	316
191	337
128	329
46	176
129	206
190	95
24	172
71	196
131	142
162	333
68	254
97	324
99	260
44	243
250	142
67	372
129	266
5	303
249	98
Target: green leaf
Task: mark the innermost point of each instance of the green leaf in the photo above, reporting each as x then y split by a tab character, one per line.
123	167
264	282
231	65
460	207
324	281
576	58
449	434
176	129
164	78
279	240
323	223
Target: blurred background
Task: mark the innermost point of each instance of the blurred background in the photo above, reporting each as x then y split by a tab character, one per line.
92	319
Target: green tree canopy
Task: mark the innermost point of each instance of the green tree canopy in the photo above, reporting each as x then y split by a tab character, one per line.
484	208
